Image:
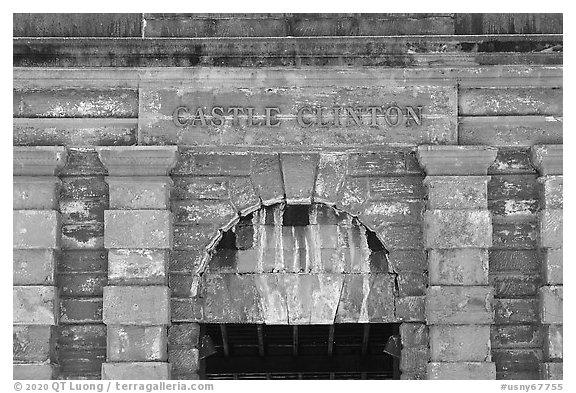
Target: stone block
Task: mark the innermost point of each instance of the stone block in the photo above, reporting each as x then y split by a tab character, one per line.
34	371
460	305
377	213
133	193
457	229
553	338
408	261
414	359
219	213
352	195
138	160
515	311
331	173
550	226
551	371
553	266
460	343
551	301
35	229
461	370
299	174
136	371
457	192
186	334
137	343
184	360
516	336
441	160
35	192
242	195
33	267
547	159
266	176
38	160
552	192
410	308
32	343
137	267
366	298
412	284
35	305
413	334
137	229
468	266
134	305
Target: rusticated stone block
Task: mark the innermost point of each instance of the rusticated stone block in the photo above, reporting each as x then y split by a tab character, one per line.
137	343
299	173
186	334
552	188
34	371
35	192
35	305
459	305
468	266
457	229
33	267
551	371
38	160
266	177
137	267
137	229
461	370
136	370
410	308
138	160
184	360
551	300
134	305
441	160
331	173
34	229
553	266
547	159
132	193
413	334
460	343
32	343
553	339
550	221
457	192
414	359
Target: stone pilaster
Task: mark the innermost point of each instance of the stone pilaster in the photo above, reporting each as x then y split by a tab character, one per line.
457	235
36	241
138	236
548	161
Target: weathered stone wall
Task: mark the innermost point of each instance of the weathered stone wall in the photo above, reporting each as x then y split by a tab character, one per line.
490	80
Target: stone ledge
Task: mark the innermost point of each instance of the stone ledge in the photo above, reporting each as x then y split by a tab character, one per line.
456	160
547	159
138	160
38	160
461	370
136	371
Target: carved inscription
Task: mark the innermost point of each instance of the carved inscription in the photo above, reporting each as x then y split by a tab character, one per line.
306	116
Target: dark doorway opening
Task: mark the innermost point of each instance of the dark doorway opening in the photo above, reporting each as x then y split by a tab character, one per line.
340	351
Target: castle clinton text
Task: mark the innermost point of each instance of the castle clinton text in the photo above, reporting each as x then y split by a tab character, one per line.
305	116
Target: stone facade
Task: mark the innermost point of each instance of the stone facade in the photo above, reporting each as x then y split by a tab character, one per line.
287	169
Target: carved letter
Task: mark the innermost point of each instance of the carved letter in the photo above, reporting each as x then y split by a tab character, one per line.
319	118
355	117
398	116
181	116
251	118
373	111
199	116
411	114
217	116
337	116
270	116
300	116
235	110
